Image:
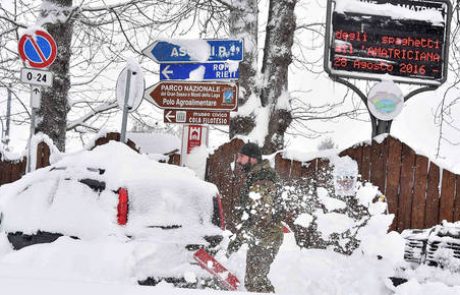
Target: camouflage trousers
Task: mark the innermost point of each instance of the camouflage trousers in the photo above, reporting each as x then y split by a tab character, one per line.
258	261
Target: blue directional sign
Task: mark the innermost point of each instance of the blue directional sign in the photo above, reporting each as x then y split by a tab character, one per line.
188	51
199	71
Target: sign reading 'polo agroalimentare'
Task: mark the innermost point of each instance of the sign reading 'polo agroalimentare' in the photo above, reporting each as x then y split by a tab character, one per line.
194	96
405	40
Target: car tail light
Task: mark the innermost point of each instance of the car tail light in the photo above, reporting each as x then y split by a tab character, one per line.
122	207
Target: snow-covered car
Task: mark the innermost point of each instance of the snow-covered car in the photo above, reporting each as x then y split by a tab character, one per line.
114	192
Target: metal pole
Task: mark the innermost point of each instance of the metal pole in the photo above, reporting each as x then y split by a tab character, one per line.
124	121
183	150
8	116
32	132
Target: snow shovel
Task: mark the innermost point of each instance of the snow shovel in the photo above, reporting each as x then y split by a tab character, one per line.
226	279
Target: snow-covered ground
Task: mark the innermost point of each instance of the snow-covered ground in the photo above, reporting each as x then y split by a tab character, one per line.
107	262
76	267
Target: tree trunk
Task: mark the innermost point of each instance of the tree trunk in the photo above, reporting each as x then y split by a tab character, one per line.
281	26
54	105
244	25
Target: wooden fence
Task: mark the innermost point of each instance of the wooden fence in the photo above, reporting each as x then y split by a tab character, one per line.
418	192
12	170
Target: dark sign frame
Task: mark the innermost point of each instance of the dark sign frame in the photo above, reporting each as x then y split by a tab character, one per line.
431	81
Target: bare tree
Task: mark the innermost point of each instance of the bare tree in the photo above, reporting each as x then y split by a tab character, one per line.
445	115
93	40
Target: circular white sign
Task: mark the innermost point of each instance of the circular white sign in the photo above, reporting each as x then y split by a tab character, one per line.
385	100
136	89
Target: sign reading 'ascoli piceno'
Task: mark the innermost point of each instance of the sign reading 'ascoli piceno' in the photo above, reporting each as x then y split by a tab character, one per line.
186	51
407	39
194	95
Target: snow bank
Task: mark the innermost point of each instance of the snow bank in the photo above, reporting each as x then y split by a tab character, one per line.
155	142
431	288
318	272
55	154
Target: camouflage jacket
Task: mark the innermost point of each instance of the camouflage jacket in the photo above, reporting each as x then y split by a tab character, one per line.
257	198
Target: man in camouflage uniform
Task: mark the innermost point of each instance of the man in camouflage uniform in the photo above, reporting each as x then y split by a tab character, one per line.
259	227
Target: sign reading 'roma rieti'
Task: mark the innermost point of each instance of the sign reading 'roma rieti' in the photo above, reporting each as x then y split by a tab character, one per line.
194	96
407	39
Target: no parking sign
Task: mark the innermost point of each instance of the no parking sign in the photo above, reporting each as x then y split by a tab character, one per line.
38	49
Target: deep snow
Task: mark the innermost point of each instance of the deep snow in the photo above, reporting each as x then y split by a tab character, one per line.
107	262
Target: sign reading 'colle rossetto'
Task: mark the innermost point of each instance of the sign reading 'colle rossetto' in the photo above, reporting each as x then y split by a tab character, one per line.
194	96
407	39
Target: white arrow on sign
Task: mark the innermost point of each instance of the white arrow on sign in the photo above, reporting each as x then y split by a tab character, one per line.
169	116
36	97
166	72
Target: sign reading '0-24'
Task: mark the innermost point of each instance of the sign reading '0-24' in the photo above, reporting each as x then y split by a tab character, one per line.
36	77
406	39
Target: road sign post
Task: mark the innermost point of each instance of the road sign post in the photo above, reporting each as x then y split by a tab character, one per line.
124	120
38	50
194	96
129	93
35	100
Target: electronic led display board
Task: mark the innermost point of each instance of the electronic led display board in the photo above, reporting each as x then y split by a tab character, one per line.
371	39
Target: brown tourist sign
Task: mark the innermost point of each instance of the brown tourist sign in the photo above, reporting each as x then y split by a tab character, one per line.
197	117
194	95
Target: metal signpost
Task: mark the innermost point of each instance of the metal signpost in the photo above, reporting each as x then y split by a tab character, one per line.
187	102
38	50
368	42
129	93
194	96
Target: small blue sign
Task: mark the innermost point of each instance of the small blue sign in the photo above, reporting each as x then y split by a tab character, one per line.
228	96
171	52
199	71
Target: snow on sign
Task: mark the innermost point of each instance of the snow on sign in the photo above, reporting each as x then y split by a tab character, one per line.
200	71
39	50
192	51
405	39
194	95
